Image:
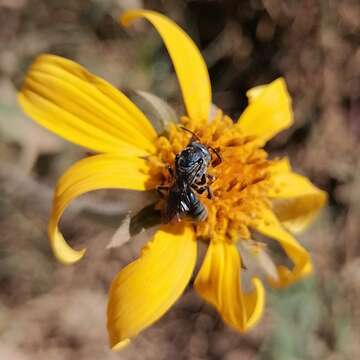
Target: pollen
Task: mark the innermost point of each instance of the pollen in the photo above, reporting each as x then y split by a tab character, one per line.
241	179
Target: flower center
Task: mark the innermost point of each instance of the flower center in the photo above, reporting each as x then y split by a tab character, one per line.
241	179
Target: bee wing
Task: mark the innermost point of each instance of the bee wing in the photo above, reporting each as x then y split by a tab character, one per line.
183	202
177	205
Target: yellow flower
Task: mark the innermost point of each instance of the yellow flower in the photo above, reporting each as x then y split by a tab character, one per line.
251	192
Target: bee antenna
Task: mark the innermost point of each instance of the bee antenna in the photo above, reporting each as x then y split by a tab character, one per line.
191	132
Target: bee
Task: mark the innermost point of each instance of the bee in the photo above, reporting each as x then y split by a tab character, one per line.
189	177
182	202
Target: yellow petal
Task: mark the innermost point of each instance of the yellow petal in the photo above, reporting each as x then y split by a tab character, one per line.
93	173
296	200
66	99
189	65
254	92
268	225
219	283
269	111
145	289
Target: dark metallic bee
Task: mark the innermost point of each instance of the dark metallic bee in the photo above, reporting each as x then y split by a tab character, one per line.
182	202
189	176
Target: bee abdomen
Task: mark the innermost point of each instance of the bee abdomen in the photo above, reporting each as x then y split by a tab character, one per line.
199	212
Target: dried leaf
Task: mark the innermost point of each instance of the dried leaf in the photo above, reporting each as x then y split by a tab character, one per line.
255	256
158	110
121	235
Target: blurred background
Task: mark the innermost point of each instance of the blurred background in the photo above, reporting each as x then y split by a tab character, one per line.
49	311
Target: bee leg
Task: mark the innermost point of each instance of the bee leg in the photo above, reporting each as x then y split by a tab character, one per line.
198	188
202	181
201	189
211	178
162	190
210	194
170	170
218	159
